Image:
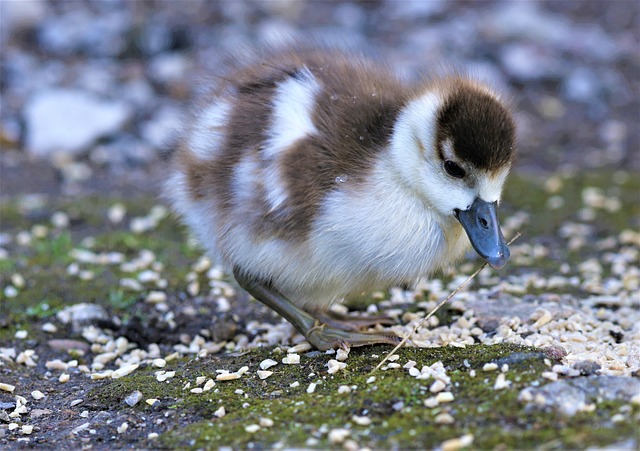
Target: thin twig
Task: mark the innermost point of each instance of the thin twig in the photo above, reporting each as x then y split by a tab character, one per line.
436	308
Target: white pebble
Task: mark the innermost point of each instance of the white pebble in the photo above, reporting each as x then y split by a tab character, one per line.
116	213
64	377
10	291
294	384
455	444
156	297
312	387
220	412
27	429
550	375
431	402
153	436
341	355
444	418
445	396
437	386
490	367
18	281
37	395
371	380
338	435
7	387
159	363
302	347
49	328
361	421
267	363
252	428
122	428
162	376
227	376
264	374
501	382
124	371
21	334
344	389
291	359
335	366
266	422
151	401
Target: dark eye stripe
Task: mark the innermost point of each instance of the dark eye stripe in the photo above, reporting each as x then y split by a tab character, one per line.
453	169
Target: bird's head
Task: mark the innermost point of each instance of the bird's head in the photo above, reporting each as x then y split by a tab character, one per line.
454	145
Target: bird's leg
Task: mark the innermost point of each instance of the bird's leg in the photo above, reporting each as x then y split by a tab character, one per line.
351	322
320	335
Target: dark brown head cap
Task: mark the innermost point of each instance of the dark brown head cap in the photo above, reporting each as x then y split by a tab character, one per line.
479	126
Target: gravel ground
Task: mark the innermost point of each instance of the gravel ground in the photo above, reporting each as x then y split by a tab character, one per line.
100	286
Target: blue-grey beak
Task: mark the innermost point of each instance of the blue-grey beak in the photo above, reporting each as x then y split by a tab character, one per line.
480	222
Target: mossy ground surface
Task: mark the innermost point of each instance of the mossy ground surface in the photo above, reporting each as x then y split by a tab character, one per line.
393	402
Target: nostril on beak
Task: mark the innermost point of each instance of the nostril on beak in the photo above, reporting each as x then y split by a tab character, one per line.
484	223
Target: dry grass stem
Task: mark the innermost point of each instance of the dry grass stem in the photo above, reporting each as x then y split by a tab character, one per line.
436	308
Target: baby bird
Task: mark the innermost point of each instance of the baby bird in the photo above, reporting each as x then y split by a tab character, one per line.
313	174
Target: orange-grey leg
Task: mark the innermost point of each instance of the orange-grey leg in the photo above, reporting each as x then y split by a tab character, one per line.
318	334
351	322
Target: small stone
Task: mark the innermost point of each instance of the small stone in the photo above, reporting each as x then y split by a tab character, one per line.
153	436
252	428
124	371
587	367
302	347
264	374
335	366
431	402
27	429
159	363
444	418
312	387
7	387
266	422
339	435
444	397
341	355
227	376
63	378
344	389
49	328
455	444
361	420
86	119
134	398
220	412
267	363
122	428
152	401
162	376
37	395
501	382
21	334
489	367
437	386
291	359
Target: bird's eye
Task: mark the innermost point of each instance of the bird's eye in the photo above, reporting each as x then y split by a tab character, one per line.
453	169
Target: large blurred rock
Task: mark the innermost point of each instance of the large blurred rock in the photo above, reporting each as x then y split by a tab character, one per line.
70	121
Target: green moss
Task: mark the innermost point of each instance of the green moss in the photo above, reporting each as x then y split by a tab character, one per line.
495	417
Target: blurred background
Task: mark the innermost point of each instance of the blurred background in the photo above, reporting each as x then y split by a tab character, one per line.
92	90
